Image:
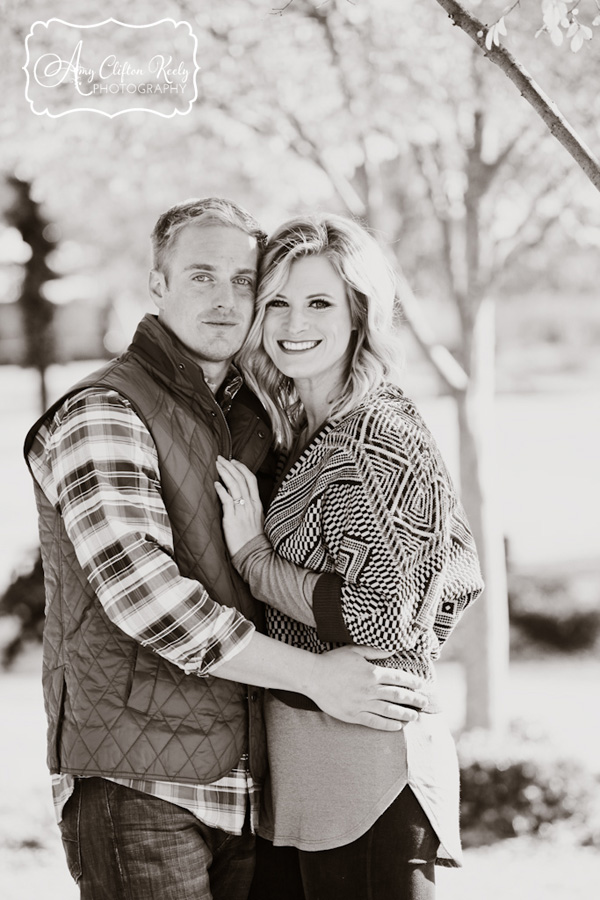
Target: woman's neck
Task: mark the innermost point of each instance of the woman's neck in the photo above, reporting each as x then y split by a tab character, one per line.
318	397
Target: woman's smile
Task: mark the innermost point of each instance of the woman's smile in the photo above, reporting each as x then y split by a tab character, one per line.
298	346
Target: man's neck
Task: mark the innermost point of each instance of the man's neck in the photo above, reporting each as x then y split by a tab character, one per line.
214	373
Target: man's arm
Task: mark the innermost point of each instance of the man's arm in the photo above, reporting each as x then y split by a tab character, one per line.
100	468
341	682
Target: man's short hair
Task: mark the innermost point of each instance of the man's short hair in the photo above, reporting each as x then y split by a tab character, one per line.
209	211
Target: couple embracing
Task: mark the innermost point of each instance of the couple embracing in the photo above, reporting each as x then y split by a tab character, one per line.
242	501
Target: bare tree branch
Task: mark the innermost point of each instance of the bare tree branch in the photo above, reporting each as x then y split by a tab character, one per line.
508	251
365	173
343	187
429	169
450	371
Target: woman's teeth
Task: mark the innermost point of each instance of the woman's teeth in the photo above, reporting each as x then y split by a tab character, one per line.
298	345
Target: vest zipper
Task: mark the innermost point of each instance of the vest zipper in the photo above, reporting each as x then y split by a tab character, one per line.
225	432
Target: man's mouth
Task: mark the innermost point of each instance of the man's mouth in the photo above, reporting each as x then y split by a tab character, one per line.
226	324
298	346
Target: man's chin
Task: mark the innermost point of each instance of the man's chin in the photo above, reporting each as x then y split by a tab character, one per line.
219	351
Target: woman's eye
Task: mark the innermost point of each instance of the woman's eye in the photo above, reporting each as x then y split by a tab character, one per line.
320	303
275	304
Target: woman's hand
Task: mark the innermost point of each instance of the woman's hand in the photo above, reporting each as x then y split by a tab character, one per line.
242	510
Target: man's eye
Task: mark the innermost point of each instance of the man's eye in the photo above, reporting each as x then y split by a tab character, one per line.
200	276
245	282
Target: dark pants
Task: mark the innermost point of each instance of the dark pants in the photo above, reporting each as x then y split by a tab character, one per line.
122	844
394	860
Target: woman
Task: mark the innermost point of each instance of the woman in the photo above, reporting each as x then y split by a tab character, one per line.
364	542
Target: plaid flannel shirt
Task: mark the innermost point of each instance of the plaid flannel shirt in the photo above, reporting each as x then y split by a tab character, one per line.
97	461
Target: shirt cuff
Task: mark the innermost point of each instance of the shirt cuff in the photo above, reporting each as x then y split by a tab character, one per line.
260	541
327	609
211	664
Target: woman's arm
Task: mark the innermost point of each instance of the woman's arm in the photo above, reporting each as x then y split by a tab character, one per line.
404	557
287	587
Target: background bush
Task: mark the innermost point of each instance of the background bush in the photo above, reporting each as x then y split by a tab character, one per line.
23	600
561	613
516	785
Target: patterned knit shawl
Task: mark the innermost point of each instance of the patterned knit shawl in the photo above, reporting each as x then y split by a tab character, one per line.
370	498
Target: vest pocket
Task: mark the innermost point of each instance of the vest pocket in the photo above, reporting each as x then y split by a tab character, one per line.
143	680
161	690
55	689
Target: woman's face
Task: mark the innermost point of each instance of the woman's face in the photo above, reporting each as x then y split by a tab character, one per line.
307	327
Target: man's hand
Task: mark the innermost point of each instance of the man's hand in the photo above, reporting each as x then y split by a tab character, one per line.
342	682
348	687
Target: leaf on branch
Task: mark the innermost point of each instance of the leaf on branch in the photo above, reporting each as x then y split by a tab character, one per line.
577	42
493	35
554	11
556	36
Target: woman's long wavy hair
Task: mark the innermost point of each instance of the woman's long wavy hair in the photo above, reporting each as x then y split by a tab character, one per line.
371	291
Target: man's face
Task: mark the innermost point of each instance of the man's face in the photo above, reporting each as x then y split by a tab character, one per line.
205	296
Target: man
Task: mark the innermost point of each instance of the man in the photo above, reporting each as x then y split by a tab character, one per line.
155	740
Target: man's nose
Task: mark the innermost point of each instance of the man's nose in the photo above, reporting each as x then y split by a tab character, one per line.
225	295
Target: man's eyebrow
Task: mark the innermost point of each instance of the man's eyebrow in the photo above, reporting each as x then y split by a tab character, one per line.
208	268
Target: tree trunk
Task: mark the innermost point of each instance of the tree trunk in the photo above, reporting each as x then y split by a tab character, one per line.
43	389
482	636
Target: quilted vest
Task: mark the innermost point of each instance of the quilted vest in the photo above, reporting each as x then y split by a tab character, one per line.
114	707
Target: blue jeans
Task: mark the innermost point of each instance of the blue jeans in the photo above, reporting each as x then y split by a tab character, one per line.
122	844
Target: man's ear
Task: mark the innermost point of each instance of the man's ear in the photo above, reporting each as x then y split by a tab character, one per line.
157	286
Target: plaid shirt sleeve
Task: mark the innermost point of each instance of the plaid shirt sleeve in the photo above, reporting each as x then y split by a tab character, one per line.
97	463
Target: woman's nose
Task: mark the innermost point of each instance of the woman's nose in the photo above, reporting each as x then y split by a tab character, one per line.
296	320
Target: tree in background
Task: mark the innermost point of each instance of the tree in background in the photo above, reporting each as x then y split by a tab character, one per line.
420	141
24	214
